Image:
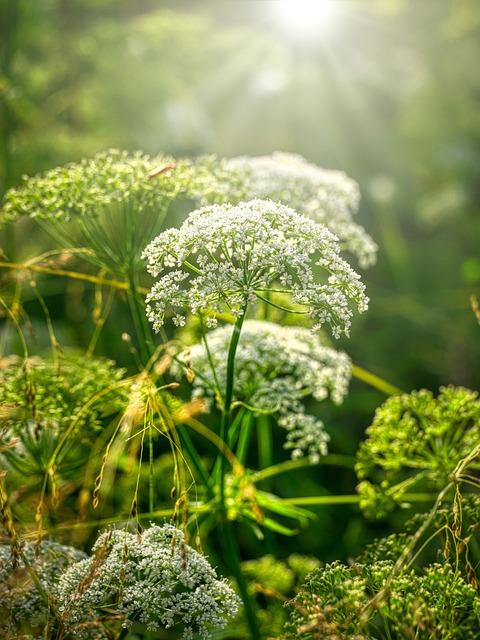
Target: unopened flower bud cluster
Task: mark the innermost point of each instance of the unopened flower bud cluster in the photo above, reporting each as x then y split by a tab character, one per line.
84	188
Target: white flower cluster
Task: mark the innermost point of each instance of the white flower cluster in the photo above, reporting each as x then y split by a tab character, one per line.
329	197
156	580
21	604
275	369
226	256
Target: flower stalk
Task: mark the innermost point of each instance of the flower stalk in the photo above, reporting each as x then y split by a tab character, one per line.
228	398
228	534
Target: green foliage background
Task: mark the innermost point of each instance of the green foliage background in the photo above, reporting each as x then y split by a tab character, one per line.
389	94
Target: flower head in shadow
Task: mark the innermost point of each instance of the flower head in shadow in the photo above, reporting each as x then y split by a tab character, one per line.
277	369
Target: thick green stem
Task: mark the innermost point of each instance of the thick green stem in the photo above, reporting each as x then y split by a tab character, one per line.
228	397
227	533
265	458
265	444
235	426
233	556
244	437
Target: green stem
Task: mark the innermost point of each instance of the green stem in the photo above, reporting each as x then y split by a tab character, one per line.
265	459
351	499
228	398
265	444
150	474
235	426
142	328
244	437
236	423
232	553
374	381
194	458
291	465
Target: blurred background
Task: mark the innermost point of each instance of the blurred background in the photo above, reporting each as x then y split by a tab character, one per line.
386	90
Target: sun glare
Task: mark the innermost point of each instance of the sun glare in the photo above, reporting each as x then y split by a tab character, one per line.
306	16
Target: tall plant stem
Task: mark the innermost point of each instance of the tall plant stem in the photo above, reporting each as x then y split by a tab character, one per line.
151	496
265	459
265	444
231	550
374	381
244	437
228	397
227	533
142	329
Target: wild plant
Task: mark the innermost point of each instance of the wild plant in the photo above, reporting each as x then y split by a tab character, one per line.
241	296
419	583
423	582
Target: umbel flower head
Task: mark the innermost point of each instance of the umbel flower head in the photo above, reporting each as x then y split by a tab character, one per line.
224	257
340	601
275	369
42	398
24	611
156	580
376	597
415	441
84	188
437	528
329	197
116	199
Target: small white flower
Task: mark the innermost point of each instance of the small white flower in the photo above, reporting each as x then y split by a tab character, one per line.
179	320
211	322
224	257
